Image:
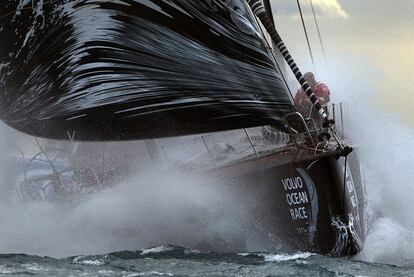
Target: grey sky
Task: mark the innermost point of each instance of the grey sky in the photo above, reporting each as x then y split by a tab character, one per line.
377	34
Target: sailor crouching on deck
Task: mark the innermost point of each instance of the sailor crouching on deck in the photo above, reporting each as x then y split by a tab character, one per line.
303	103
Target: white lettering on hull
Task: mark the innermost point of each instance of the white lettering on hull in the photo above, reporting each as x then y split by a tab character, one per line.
298	213
292	183
296	196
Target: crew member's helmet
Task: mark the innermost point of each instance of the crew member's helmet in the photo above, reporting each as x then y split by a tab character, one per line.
310	78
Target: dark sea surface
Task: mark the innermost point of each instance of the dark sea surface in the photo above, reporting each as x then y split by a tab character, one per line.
176	261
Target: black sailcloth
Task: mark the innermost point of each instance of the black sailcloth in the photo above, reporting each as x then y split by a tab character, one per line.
131	69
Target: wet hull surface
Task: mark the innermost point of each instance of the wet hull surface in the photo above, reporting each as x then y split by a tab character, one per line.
307	209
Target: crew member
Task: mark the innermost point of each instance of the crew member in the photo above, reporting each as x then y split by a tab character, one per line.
302	101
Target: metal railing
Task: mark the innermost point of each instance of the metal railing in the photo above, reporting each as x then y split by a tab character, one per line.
337	113
221	147
227	146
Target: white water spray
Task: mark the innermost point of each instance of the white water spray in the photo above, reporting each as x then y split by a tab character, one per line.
148	209
386	150
387	153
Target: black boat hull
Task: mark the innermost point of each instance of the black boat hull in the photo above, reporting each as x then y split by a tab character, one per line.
311	205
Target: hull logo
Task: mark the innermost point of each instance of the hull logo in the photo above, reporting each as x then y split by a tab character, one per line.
302	200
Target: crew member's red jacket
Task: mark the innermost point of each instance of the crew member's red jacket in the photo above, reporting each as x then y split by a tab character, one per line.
303	102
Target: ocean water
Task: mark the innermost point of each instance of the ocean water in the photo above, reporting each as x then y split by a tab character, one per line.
176	261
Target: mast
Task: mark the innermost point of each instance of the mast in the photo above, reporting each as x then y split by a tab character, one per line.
260	11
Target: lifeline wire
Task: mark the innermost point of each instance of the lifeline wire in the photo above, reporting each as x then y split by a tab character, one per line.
319	32
306	32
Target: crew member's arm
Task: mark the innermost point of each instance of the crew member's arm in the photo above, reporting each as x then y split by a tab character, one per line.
297	97
300	98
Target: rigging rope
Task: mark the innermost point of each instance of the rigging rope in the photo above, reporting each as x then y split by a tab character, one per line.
259	10
319	32
306	32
